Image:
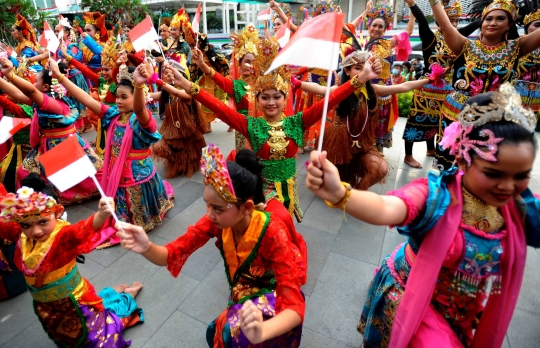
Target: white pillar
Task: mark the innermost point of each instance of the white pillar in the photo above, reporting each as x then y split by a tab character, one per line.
205	25
235	17
224	9
350	15
395	14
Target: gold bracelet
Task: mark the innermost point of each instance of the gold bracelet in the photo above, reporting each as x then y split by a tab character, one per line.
141	86
411	5
343	202
356	83
10	78
433	2
61	78
212	73
68	58
195	89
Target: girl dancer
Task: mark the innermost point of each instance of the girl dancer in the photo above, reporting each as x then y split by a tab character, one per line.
266	305
457	279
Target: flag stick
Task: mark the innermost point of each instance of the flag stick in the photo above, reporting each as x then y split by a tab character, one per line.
104	196
197	40
325	109
50	71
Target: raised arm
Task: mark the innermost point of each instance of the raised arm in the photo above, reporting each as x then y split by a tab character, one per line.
356	22
92	45
470	28
197	58
77	93
88	73
315	88
274	6
39	57
24	86
426	34
410	25
452	36
529	43
140	76
11	107
14	92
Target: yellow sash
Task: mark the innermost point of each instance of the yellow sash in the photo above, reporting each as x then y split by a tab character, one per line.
33	252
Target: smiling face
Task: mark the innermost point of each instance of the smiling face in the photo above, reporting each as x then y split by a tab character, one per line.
271	102
124	98
495	25
377	27
533	26
40	228
496	183
221	213
107	73
175	33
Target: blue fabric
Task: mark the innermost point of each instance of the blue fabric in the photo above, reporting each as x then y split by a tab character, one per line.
92	45
436	205
74	51
123	305
532	218
78	79
226	334
28	53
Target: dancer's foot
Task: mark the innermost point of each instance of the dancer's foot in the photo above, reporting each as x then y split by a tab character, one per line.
120	288
230	129
409	159
430	153
133	289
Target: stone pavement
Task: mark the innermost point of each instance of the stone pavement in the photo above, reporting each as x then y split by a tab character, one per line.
342	257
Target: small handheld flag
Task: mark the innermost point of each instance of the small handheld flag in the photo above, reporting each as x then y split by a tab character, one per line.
143	34
264	15
9	126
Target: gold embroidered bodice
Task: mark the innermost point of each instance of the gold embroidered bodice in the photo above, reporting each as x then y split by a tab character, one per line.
482	216
277	141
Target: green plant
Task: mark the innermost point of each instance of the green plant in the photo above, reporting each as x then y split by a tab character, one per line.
119	10
10	8
405	103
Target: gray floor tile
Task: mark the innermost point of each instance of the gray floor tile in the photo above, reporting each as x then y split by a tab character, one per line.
15	315
179	224
524	330
77	213
107	256
313	339
169	335
319	244
159	298
336	303
89	269
31	336
359	240
528	297
209	298
185	194
323	218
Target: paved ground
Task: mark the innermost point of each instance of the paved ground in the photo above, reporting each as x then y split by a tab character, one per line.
342	257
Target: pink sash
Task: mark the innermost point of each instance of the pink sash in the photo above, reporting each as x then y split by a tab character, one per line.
414	316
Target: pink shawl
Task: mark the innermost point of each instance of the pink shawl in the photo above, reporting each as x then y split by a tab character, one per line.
415	303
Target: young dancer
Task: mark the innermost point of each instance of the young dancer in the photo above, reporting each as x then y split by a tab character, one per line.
266	305
456	280
67	305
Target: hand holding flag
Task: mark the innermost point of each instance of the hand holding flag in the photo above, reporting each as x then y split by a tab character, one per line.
143	34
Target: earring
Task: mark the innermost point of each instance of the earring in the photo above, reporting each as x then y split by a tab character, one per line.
506	36
481	37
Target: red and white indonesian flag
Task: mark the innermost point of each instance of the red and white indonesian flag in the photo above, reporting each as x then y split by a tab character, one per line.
314	45
284	34
64	21
197	19
48	39
143	34
67	164
264	15
9	126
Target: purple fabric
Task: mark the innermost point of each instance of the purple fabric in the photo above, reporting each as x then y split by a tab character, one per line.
267	304
104	329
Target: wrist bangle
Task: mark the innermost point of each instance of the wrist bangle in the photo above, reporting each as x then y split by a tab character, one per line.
159	82
343	202
61	78
433	2
211	73
194	89
356	83
68	58
10	78
141	86
411	5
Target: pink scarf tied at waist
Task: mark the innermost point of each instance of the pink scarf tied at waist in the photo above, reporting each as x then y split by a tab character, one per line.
414	313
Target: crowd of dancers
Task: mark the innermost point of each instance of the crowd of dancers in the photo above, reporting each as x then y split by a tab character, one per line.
454	283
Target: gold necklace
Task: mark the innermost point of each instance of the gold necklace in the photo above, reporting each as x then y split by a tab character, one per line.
277	140
478	214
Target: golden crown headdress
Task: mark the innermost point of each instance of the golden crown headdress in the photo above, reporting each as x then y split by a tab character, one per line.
109	55
215	173
324	7
531	17
26	203
383	10
27	30
503	5
179	18
453	8
245	42
506	104
279	78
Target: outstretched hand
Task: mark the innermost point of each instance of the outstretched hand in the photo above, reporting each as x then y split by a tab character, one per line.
372	68
52	66
323	178
103	208
251	322
7	66
132	237
140	75
197	56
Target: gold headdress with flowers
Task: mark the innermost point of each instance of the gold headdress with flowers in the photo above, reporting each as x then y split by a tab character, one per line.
109	55
324	7
181	21
503	5
453	8
383	10
215	173
245	42
27	30
25	204
279	78
531	17
98	20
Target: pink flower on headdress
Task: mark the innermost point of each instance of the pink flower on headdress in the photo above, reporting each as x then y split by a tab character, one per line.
24	192
9	200
486	149
450	139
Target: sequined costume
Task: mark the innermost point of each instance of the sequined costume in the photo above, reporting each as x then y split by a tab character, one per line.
66	304
528	83
276	143
474	281
52	123
423	120
476	70
263	268
26	48
141	197
76	77
19	147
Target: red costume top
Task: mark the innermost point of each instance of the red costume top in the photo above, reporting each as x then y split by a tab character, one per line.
265	247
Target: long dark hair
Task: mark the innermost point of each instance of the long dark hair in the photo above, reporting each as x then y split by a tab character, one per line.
349	106
246	176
